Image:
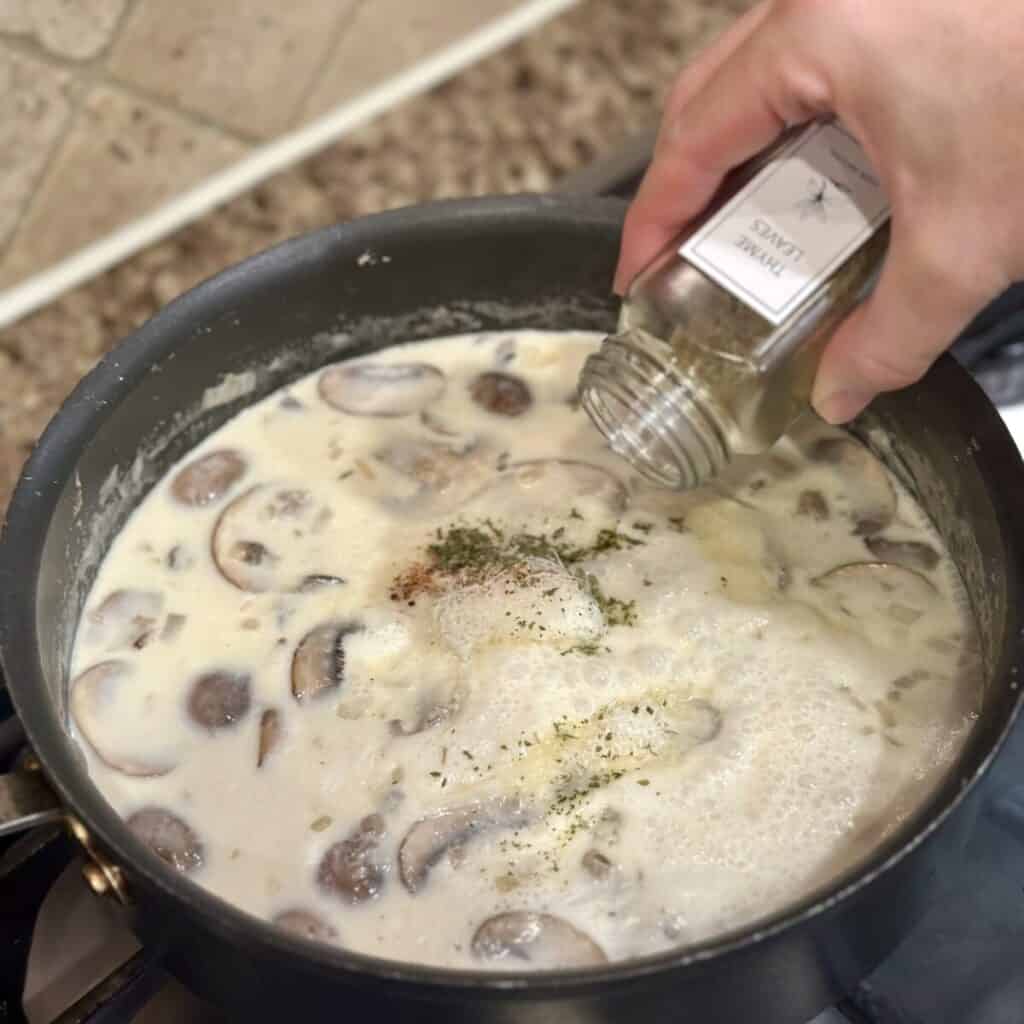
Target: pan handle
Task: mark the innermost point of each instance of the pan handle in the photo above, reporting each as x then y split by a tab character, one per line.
26	801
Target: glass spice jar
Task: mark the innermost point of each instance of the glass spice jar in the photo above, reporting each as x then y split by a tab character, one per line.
720	337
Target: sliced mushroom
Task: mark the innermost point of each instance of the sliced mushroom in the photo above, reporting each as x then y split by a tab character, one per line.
91	695
909	553
696	722
433	466
596	864
381	389
812	504
349	869
556	481
219	699
540	939
430	715
126	618
318	664
270	734
433	476
866	483
870	590
169	837
208	479
431	838
458	442
179	558
247	540
501	393
318	581
305	924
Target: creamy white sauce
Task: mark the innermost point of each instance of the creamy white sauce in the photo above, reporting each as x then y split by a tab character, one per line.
755	724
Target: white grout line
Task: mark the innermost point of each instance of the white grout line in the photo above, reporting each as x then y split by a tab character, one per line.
267	160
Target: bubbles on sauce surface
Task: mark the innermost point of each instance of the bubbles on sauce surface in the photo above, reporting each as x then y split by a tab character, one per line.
447	636
270	734
318	664
351	869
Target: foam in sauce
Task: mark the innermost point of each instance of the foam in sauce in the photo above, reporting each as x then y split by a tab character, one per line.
403	658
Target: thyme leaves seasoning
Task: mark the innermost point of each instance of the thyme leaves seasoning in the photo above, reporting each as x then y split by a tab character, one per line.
481	548
475	551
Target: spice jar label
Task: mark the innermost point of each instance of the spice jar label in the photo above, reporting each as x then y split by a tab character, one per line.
796	222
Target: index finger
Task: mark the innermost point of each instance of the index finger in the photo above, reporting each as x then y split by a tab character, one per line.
741	108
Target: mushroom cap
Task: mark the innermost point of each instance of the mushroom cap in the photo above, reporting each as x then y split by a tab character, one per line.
500	393
423	476
430	838
93	696
911	554
544	940
169	837
350	869
431	713
208	479
863	480
381	389
125	618
318	664
270	735
878	595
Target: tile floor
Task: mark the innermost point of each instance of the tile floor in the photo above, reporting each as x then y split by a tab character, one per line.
108	108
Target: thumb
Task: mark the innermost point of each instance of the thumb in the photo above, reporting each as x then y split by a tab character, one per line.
915	313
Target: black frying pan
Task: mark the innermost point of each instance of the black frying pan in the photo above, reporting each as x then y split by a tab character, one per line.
415	273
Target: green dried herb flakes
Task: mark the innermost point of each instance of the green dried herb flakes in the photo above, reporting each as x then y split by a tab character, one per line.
476	551
323	822
475	548
616	612
613	540
588	648
463	548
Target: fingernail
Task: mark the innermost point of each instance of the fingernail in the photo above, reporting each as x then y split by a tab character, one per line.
841	406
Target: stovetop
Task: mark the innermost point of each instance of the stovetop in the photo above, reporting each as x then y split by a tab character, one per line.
963	964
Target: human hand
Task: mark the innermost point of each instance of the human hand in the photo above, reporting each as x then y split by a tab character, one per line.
933	92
